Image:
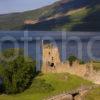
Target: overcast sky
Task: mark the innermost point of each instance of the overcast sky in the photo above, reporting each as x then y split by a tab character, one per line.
9	6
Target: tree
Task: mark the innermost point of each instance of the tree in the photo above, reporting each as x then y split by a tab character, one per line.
16	75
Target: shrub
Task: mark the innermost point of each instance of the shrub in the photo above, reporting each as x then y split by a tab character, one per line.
72	59
81	62
17	74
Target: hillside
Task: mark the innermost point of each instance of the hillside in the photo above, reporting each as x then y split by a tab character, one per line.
47	85
70	15
93	94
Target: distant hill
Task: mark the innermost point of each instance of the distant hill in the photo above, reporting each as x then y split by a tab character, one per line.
69	15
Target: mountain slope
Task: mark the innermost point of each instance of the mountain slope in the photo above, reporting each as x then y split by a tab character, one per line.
15	21
70	15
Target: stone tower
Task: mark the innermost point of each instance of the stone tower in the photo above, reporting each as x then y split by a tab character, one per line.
51	58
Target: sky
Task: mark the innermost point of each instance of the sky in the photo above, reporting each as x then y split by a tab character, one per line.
9	6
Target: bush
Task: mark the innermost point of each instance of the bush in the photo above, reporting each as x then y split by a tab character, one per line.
72	59
16	75
81	62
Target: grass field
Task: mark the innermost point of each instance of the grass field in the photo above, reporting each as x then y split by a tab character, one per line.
44	86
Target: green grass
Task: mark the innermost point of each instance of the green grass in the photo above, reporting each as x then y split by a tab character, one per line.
93	94
44	86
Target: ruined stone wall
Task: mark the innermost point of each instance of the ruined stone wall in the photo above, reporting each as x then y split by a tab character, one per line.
51	55
53	64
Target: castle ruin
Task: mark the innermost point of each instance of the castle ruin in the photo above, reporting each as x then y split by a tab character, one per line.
53	64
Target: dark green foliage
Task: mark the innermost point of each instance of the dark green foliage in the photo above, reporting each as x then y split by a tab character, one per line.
17	74
81	62
72	59
11	52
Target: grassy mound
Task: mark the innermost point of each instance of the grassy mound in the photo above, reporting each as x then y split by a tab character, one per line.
44	86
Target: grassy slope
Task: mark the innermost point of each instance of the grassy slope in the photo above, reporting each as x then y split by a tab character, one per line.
93	94
48	85
15	21
75	18
85	20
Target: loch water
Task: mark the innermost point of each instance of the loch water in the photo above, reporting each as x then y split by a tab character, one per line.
85	45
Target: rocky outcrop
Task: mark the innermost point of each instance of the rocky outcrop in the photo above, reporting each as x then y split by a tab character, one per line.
73	95
62	97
